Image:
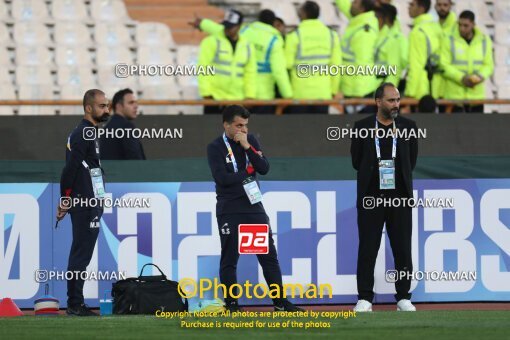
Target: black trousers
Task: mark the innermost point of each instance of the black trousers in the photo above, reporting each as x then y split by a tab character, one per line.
399	229
468	109
213	109
263	110
228	229
85	232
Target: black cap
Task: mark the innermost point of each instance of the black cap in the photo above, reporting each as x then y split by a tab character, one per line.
232	18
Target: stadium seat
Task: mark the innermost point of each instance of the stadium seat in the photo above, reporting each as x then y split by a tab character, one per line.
5	39
5	78
502	55
33	55
502	76
490	90
502	10
162	93
74	92
111	56
187	55
4	13
149	55
110	83
190	92
36	92
29	10
157	80
108	10
5	60
72	34
73	56
112	34
504	92
33	75
502	34
154	34
6	110
74	76
7	92
69	10
28	33
480	9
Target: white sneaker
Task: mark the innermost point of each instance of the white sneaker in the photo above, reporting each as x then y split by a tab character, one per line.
405	305
363	306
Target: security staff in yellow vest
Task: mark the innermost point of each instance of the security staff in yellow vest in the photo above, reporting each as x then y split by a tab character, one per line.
235	65
424	46
268	44
310	52
388	46
345	7
447	19
466	57
358	49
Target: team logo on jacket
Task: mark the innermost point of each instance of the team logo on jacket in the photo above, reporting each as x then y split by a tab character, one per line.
94	223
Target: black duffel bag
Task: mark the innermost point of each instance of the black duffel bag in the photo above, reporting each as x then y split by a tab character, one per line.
147	294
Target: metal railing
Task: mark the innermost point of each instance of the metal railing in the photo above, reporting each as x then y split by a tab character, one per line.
280	104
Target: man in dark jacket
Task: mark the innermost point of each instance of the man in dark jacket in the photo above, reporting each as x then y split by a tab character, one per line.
122	146
384	167
82	178
235	159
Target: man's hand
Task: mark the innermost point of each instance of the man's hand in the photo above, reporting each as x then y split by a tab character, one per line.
242	138
466	81
196	22
61	212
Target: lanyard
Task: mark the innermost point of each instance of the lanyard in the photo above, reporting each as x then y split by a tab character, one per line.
231	154
394	146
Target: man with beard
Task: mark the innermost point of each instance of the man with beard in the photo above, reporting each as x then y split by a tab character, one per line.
384	163
447	18
82	177
125	111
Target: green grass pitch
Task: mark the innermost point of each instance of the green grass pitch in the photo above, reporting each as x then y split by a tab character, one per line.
378	325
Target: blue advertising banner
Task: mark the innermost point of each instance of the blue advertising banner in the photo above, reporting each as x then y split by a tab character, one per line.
461	240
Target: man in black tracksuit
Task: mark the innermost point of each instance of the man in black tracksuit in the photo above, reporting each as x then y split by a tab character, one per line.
371	157
233	206
82	160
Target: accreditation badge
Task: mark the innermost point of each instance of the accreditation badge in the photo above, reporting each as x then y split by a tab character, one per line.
386	174
252	190
96	175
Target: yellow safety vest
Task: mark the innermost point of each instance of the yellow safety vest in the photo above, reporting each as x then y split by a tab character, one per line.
458	59
235	72
313	44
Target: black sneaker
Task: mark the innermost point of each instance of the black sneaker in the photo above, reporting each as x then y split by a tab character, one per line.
80	310
285	305
232	306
